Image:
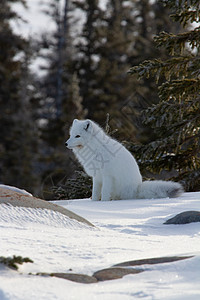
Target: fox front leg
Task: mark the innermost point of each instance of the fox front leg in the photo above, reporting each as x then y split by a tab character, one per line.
107	186
96	189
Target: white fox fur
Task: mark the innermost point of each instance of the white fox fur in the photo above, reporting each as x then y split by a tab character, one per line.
115	172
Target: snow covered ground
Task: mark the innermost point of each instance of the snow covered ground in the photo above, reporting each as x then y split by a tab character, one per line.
126	230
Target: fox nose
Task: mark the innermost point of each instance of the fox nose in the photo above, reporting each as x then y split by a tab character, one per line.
66	144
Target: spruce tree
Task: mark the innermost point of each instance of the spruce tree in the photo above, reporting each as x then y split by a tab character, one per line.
85	63
151	17
18	138
175	119
61	99
115	49
102	62
112	40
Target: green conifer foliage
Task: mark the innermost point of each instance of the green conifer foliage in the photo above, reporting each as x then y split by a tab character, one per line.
61	98
113	39
176	118
18	138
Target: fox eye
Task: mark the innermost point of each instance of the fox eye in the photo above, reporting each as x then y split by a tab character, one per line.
77	136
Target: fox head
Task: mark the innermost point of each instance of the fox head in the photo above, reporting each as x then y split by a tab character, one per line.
80	134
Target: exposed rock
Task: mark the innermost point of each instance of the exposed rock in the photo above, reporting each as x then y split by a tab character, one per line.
15	189
185	218
151	261
114	273
17	199
81	278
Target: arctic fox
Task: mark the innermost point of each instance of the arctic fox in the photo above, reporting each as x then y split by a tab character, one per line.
115	172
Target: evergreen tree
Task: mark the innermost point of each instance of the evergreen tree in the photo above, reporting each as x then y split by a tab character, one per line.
175	119
102	62
112	40
18	140
61	100
85	63
115	48
151	17
60	84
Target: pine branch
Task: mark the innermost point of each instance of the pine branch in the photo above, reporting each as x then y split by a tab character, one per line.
176	66
74	188
12	262
180	5
184	17
177	43
180	89
190	180
186	11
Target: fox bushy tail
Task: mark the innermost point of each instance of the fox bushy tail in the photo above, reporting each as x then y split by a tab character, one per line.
159	189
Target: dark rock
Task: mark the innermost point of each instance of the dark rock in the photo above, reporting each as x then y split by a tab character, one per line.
151	261
81	278
114	273
185	218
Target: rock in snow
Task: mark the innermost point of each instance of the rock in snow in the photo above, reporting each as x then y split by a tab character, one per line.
185	218
152	261
16	199
117	271
15	189
81	278
114	273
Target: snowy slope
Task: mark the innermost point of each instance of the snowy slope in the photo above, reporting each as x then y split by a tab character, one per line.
127	230
15	189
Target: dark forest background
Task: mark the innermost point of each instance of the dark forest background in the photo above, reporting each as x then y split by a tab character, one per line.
94	74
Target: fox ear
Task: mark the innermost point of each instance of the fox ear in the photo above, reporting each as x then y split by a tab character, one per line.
75	121
87	125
